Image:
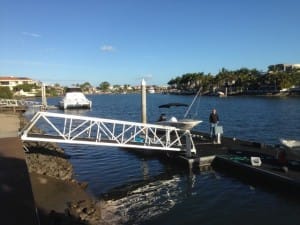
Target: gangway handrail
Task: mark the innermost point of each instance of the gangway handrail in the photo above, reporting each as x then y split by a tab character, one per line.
75	129
17	102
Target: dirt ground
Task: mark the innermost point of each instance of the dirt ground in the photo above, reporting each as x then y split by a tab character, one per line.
9	125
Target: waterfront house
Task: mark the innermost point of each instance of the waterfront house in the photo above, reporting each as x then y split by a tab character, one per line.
283	67
11	81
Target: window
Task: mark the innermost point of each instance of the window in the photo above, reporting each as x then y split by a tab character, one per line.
4	82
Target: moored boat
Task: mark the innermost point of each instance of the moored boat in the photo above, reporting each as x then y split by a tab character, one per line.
183	124
74	99
151	90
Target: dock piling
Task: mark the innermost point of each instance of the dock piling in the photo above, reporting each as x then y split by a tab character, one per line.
144	105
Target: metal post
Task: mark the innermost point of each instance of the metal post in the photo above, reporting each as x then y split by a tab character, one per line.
44	98
188	144
144	104
219	138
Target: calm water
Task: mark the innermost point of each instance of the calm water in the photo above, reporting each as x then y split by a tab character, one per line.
148	190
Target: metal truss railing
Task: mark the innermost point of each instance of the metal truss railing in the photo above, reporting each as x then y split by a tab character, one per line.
16	103
74	129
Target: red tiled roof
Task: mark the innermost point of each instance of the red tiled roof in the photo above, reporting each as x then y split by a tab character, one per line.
13	78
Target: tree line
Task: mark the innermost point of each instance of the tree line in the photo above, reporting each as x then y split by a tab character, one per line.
238	80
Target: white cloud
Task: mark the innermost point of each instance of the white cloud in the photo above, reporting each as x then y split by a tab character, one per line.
35	35
107	48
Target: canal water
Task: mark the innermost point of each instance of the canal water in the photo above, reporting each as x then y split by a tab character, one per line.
143	189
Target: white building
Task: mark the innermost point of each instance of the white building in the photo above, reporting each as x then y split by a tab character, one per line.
11	81
284	67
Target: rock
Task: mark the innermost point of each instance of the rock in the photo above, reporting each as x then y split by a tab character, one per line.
51	163
83	185
50	160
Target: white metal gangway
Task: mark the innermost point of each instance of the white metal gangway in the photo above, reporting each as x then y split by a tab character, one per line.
74	129
17	102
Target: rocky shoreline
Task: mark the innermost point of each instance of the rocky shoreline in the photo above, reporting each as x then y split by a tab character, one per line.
48	164
61	199
48	159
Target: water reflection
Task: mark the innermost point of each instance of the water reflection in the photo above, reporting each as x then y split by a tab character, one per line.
135	202
145	169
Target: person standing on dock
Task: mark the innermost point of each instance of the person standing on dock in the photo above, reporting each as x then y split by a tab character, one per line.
214	120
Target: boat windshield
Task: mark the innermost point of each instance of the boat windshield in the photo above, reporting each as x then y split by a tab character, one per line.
73	89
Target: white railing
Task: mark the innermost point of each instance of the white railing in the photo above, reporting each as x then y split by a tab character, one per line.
16	103
73	129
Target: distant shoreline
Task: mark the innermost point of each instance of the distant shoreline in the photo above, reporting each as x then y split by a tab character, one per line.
248	93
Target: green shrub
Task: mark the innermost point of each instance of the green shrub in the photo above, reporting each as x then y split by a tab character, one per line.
5	92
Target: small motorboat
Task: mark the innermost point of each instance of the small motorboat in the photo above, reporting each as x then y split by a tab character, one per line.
75	99
183	124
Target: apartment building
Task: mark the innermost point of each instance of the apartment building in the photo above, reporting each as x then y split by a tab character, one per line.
11	81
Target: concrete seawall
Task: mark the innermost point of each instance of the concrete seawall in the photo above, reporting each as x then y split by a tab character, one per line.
16	197
36	187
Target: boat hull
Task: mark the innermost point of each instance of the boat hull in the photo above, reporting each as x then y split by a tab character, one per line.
183	124
63	105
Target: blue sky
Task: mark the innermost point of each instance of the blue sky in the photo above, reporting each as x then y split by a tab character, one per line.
120	41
